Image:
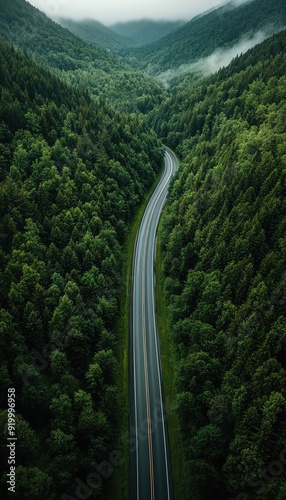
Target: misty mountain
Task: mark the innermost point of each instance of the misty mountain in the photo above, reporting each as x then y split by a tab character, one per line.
145	31
75	61
219	28
92	31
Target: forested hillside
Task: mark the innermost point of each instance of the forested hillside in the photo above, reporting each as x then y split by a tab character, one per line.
199	38
78	63
72	174
97	34
224	247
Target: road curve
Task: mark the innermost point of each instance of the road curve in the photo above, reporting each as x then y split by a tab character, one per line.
150	471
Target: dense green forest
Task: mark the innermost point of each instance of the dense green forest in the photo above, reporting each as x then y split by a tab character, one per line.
200	37
72	174
224	247
88	67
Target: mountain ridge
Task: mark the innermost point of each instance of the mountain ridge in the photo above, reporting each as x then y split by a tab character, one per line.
96	33
146	31
201	36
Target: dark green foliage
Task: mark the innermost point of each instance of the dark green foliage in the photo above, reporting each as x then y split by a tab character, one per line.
224	265
204	34
80	64
72	174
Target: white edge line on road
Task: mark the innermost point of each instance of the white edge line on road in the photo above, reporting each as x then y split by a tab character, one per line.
135	380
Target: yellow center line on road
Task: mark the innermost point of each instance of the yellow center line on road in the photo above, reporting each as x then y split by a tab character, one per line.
151	465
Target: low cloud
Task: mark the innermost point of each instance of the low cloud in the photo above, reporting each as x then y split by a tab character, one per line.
221	57
238	3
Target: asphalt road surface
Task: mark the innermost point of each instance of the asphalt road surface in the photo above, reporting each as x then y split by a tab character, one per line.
150	472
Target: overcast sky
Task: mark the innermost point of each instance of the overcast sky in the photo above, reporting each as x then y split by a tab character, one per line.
110	11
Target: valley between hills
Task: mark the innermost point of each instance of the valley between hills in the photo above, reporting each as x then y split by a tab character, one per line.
91	118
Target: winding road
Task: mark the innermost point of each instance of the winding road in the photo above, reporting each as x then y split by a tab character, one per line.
150	471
